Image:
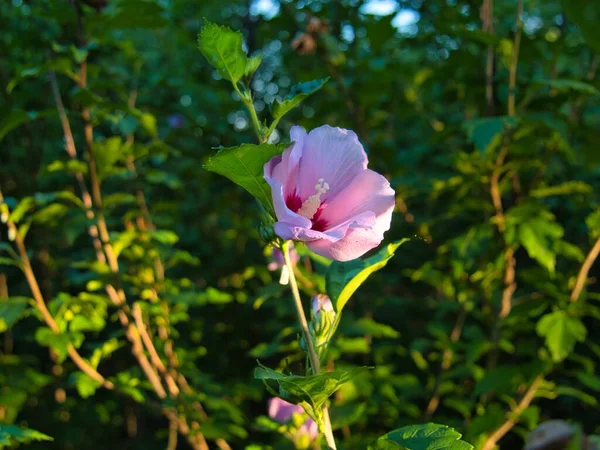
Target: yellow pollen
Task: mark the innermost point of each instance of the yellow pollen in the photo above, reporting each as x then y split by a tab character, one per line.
311	205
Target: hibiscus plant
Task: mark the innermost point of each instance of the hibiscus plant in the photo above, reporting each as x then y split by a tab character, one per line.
315	190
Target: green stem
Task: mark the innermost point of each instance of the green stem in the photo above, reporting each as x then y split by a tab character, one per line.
312	354
247	100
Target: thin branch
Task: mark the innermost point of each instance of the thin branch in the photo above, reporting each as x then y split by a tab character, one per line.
512	83
583	272
173	430
487	17
156	361
446	363
514	415
72	152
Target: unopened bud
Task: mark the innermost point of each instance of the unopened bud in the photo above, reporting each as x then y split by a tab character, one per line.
266	232
12	234
4	216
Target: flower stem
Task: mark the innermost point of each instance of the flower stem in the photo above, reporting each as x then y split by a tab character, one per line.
312	354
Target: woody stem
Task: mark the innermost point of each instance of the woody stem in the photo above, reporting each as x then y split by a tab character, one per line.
312	354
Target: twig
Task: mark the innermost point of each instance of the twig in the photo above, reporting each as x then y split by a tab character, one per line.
512	83
487	17
583	272
173	430
446	363
312	354
72	152
514	415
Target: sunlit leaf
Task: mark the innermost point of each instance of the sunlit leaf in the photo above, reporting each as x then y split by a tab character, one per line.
562	332
244	165
344	278
222	47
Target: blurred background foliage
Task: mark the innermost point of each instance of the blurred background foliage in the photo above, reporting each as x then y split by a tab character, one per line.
484	116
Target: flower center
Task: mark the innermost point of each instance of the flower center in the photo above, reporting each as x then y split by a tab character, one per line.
311	204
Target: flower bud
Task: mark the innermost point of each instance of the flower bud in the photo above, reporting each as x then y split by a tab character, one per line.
322	323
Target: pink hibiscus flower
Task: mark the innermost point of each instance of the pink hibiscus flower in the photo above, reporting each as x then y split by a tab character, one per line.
325	196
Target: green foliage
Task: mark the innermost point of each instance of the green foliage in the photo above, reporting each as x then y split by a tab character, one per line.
222	47
297	94
418	87
426	437
244	165
12	435
312	389
562	332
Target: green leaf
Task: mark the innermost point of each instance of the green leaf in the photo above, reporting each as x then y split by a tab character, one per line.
252	64
429	436
486	133
537	246
312	389
384	444
344	278
86	386
222	47
12	434
586	15
11	310
297	94
568	85
568	188
107	154
148	122
562	332
19	117
244	166
58	342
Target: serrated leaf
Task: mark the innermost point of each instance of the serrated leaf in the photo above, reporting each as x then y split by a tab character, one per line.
244	165
222	47
12	434
344	278
297	94
312	389
562	332
429	436
11	310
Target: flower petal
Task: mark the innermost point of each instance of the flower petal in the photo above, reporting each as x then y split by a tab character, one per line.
334	154
281	210
369	191
354	244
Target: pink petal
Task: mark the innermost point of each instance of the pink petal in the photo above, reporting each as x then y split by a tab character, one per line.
281	210
369	191
354	244
334	154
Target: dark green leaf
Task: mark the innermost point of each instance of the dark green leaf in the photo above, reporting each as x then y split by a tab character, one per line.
11	310
297	94
430	436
